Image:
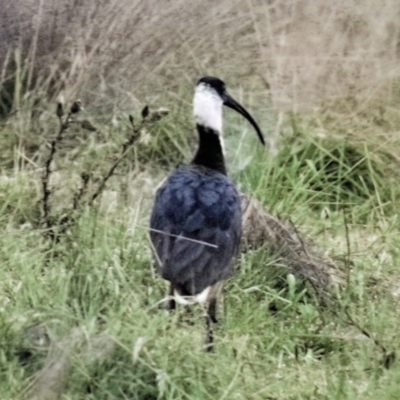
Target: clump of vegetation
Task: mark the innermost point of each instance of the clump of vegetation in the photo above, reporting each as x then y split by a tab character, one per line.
326	174
88	191
81	314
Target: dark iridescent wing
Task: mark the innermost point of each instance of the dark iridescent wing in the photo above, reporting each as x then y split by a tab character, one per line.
201	220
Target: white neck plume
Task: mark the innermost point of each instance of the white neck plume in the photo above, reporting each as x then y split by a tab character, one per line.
207	108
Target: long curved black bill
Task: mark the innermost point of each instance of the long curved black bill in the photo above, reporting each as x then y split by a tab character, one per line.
231	103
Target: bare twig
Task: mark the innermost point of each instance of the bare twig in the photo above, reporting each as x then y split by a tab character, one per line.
64	124
126	147
47	167
179	237
68	219
388	356
82	190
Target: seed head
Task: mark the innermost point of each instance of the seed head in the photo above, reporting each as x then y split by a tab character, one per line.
60	110
76	107
145	112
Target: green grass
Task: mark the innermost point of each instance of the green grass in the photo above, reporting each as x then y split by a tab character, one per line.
84	318
98	298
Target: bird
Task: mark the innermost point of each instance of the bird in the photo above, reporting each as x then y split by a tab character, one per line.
196	223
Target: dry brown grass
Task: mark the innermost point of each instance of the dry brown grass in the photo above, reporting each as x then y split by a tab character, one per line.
306	51
299	257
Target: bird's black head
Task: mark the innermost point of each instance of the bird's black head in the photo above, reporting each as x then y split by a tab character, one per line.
214	83
216	86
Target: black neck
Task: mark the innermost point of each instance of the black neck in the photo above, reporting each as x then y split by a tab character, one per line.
210	153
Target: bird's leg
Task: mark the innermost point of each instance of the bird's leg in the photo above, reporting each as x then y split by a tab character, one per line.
171	301
211	318
212	310
209	346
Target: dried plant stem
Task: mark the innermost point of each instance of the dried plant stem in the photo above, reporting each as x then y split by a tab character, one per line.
47	169
388	356
126	147
81	195
82	190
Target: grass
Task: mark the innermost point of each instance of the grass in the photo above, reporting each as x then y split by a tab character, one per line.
85	317
96	298
329	174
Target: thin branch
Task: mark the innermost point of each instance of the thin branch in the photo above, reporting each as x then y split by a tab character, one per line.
47	167
126	147
82	190
180	237
388	356
75	108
